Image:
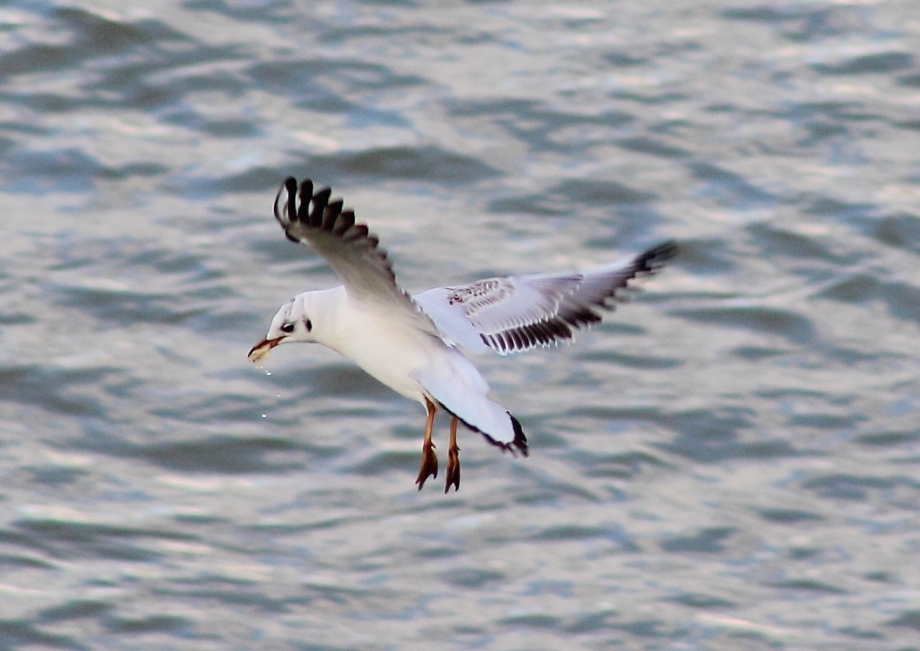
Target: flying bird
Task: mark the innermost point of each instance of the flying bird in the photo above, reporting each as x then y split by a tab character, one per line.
412	343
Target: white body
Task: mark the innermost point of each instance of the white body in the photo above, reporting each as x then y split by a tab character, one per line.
397	348
383	342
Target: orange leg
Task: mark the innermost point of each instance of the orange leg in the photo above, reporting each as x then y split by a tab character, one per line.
429	466
453	459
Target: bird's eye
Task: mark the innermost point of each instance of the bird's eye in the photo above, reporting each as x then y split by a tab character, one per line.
308	325
287	328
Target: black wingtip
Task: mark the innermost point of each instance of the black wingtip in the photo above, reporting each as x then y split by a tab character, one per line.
284	201
290	185
520	441
654	258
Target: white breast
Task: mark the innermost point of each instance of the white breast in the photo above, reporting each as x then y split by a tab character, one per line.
385	344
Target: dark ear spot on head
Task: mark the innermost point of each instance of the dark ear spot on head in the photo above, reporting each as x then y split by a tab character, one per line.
308	325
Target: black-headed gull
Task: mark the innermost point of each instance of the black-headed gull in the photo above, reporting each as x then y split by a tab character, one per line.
411	343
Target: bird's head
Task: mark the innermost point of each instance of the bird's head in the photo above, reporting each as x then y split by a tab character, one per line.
291	324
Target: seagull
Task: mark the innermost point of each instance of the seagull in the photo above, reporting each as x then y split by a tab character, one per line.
412	343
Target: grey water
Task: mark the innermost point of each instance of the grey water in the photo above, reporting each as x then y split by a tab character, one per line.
731	461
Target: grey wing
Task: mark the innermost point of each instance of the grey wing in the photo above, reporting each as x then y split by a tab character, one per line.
516	313
313	219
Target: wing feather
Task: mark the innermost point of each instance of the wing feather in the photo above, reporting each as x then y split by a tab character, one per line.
516	313
313	219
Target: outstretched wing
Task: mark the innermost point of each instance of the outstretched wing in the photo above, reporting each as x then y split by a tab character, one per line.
516	313
353	252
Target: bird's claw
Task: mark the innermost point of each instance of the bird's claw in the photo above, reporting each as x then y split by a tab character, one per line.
429	467
453	470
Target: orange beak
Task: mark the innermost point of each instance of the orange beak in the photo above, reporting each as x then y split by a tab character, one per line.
260	350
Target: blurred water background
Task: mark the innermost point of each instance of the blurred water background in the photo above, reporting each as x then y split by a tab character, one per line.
730	462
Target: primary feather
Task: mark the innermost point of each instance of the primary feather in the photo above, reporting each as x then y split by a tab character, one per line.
351	250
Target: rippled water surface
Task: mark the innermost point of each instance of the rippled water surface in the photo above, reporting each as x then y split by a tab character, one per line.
731	461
